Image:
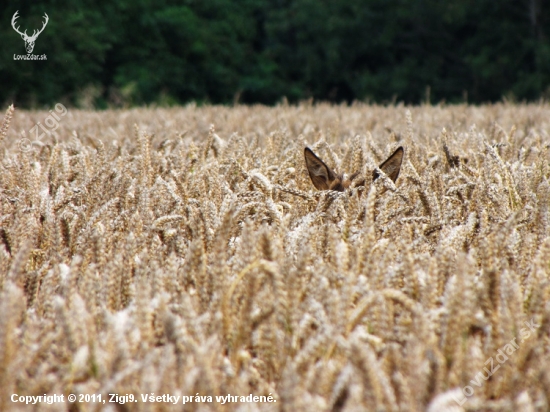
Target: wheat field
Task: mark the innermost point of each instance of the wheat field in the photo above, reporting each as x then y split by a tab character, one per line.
184	252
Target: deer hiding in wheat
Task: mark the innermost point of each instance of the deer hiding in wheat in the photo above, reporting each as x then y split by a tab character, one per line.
324	178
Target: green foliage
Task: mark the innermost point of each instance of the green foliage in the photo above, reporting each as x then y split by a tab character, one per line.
219	51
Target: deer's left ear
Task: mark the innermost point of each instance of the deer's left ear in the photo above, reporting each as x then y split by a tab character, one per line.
319	172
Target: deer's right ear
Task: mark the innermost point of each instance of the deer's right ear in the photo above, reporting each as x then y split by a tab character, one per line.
320	174
391	166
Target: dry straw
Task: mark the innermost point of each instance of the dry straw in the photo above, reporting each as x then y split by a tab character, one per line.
185	251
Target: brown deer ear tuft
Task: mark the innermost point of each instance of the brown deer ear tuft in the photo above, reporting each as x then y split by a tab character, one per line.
320	174
392	165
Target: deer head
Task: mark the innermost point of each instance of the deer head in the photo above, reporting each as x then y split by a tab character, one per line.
29	40
324	178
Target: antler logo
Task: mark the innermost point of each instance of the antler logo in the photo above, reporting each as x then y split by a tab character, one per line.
29	40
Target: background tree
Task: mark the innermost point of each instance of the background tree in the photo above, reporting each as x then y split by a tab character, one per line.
257	51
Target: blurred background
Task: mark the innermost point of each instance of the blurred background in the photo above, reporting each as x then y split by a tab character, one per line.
124	53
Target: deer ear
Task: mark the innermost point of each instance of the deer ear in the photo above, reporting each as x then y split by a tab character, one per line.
320	174
391	166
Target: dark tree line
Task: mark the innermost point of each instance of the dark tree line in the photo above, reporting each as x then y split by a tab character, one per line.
126	52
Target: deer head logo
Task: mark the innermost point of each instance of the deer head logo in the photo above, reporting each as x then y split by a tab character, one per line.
29	40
